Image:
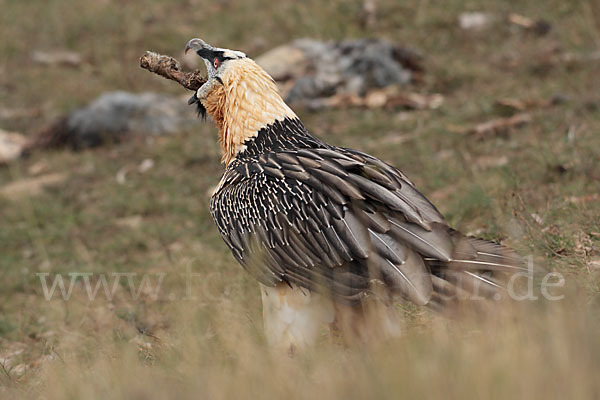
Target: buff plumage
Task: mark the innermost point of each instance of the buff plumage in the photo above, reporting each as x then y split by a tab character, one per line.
247	101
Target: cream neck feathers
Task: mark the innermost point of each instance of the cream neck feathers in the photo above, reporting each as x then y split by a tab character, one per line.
246	102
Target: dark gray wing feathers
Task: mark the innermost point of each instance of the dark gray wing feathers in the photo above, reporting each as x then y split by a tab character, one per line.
333	219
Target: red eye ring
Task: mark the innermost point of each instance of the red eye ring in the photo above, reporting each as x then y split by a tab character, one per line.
216	63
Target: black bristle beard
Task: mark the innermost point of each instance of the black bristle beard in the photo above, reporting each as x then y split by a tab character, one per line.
201	110
199	107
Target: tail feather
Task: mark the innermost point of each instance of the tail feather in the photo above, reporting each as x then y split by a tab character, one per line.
476	254
478	269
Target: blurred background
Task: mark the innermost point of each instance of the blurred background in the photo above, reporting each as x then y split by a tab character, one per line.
491	107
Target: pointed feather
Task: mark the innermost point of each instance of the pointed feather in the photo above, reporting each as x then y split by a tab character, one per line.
340	184
388	198
388	247
410	280
354	234
435	243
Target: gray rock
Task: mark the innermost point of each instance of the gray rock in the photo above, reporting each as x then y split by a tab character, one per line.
324	69
115	115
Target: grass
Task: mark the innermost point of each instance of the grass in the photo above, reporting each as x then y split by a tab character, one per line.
201	337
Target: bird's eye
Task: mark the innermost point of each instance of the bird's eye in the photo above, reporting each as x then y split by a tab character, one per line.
216	63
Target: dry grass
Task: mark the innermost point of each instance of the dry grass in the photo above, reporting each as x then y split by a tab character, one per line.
535	187
214	350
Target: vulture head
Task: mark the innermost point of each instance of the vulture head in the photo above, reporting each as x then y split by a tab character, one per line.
239	95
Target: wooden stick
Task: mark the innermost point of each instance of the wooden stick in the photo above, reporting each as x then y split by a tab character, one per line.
170	68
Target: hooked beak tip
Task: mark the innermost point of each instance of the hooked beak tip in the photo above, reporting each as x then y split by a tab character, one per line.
193	44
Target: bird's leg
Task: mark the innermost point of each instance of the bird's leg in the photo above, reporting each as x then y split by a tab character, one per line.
370	321
293	316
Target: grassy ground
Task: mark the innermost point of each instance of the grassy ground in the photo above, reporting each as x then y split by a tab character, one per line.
536	187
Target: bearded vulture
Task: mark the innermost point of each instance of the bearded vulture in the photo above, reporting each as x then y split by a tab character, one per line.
334	236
